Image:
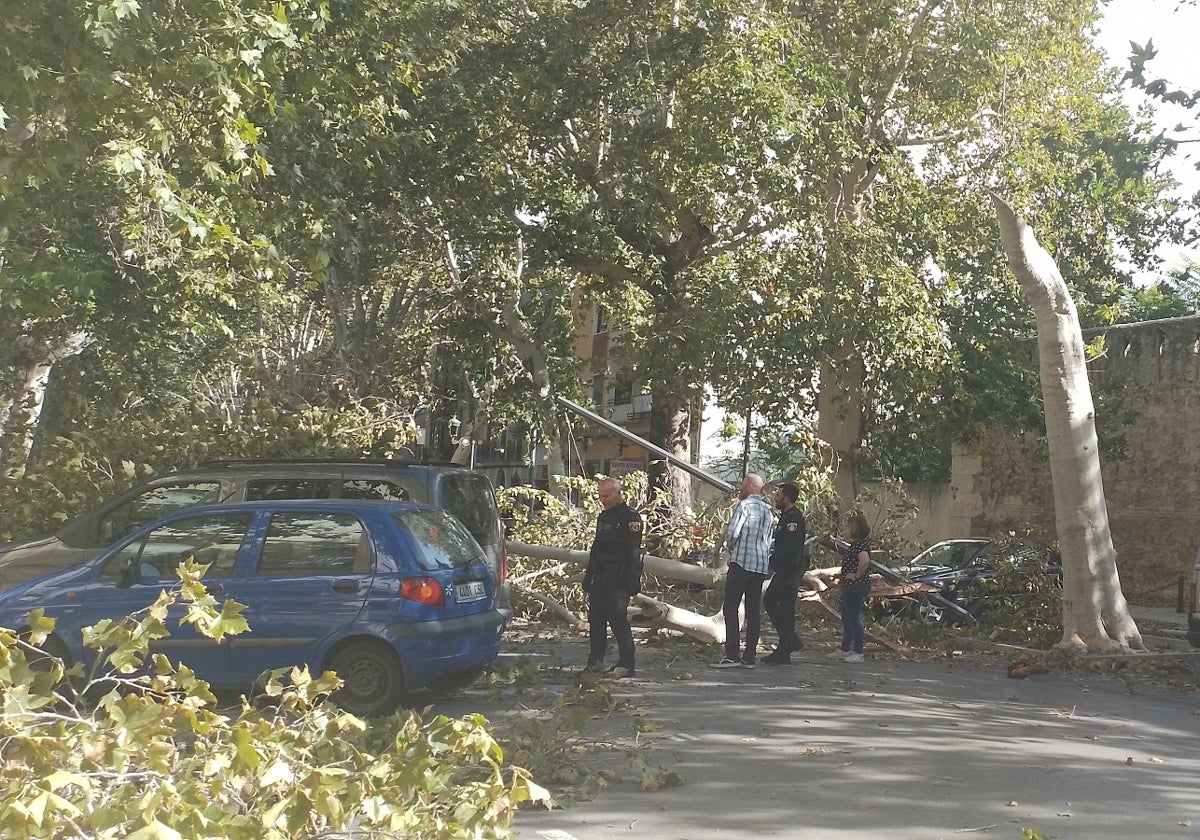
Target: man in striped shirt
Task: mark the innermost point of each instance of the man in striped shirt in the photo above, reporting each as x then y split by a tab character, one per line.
748	540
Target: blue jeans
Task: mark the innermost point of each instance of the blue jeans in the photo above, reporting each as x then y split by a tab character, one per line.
854	596
738	584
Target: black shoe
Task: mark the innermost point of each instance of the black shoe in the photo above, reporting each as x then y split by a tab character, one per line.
747	663
620	670
795	644
726	662
593	668
777	657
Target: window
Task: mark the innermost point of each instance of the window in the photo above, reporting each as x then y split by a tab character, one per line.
622	391
469	499
157	502
211	539
598	390
374	489
442	543
311	543
601	319
287	488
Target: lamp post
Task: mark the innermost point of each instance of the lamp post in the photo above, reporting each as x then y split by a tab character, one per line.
454	424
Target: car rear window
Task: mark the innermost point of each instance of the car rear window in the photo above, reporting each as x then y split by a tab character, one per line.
442	542
470	499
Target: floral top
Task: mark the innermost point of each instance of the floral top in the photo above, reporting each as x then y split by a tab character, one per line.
850	558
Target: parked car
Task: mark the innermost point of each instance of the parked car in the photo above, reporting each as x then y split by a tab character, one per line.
958	569
466	494
393	596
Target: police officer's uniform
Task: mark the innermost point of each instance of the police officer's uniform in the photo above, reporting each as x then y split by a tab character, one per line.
789	562
614	575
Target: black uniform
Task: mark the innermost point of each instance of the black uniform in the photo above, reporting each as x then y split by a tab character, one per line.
789	562
614	575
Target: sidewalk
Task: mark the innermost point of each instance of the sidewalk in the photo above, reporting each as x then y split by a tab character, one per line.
1159	615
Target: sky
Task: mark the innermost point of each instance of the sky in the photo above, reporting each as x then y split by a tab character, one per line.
1174	30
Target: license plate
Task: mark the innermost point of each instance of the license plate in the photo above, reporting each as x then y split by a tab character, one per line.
470	591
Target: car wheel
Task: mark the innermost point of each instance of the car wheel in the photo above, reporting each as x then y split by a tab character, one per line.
930	613
372	679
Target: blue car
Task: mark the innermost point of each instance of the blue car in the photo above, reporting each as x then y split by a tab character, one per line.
393	596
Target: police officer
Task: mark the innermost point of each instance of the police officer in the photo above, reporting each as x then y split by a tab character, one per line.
789	562
613	576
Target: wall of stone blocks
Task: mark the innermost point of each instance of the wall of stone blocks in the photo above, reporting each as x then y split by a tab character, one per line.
1153	494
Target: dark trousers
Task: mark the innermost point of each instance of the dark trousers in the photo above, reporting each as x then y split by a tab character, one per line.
742	584
608	606
779	601
854	595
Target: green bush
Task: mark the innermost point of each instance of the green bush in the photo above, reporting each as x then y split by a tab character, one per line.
139	749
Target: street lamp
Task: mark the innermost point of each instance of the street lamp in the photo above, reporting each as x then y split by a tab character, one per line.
454	424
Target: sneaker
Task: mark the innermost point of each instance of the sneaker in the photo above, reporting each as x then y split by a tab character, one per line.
837	654
777	657
853	657
747	663
592	668
618	671
796	644
726	662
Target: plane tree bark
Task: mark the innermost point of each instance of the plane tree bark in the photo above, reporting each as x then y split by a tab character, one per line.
1096	616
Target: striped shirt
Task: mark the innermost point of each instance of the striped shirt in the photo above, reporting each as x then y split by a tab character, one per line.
749	534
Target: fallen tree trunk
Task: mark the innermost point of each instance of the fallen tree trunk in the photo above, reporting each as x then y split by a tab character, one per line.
658	566
709	629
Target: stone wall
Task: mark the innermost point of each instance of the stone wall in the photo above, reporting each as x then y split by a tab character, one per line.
1153	493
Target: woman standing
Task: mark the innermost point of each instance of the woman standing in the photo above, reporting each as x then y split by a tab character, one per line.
856	586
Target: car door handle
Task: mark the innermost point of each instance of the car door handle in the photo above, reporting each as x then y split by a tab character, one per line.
214	588
345	586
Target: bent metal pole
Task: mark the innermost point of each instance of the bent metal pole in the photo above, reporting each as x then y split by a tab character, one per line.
592	417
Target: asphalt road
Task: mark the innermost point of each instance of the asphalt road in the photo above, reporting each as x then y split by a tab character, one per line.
887	748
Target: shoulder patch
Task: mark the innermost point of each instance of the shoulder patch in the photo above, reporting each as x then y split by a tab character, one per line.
636	526
792	526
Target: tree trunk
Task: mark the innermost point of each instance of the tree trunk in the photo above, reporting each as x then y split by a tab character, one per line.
670	428
1095	615
839	420
22	409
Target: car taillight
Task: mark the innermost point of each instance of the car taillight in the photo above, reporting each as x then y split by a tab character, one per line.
423	590
503	566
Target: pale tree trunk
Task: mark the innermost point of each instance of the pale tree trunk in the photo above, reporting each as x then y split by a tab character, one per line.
843	374
840	417
671	428
1095	615
513	327
839	420
22	410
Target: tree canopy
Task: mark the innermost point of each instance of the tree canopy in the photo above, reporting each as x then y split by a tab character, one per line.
310	221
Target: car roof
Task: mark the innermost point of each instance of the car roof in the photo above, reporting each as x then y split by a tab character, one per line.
359	505
253	464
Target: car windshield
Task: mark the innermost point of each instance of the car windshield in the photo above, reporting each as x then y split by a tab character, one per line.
442	542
